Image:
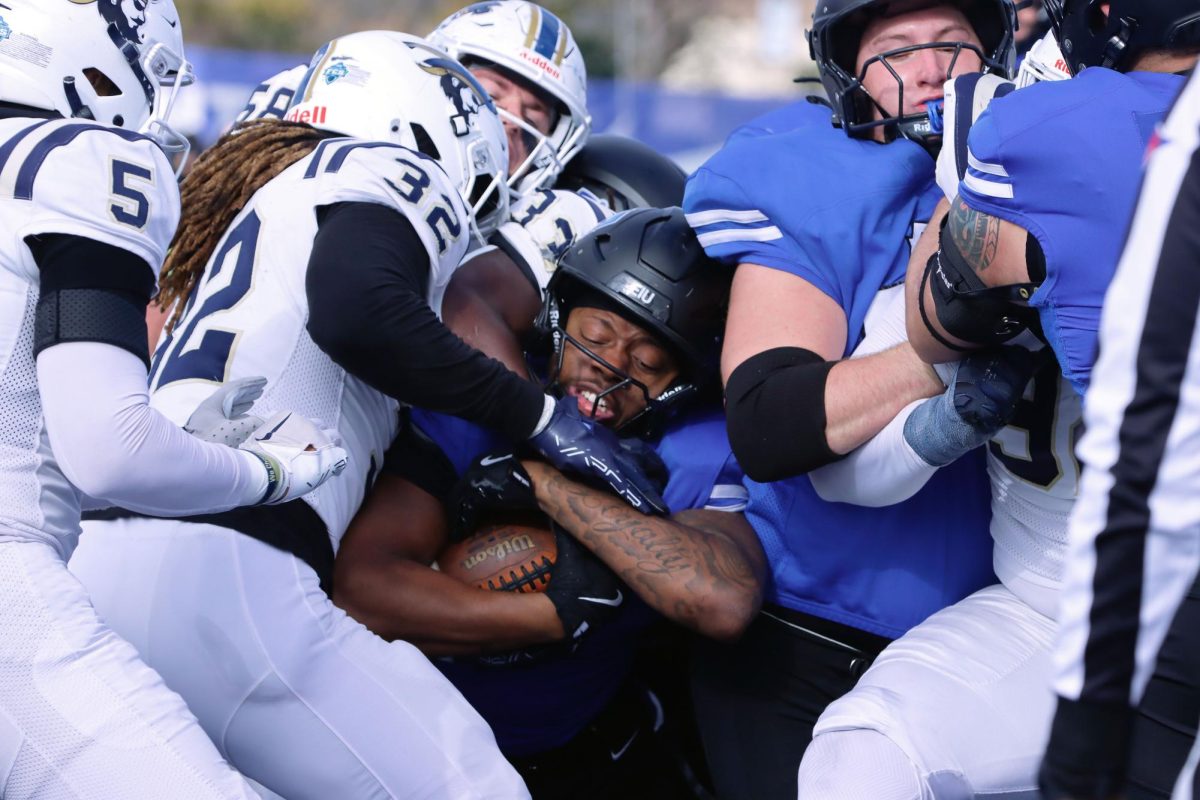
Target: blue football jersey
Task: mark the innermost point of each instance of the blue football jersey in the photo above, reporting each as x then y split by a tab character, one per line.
839	212
781	120
572	689
1063	160
842	214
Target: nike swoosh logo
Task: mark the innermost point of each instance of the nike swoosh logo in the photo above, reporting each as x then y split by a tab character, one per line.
618	753
271	432
173	23
606	601
487	461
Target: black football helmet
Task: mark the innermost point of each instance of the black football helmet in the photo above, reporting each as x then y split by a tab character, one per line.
1089	39
834	38
625	173
647	265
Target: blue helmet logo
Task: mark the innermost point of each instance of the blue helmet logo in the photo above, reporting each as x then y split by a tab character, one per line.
461	88
334	72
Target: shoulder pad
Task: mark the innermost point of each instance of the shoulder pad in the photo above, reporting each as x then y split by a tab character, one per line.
94	181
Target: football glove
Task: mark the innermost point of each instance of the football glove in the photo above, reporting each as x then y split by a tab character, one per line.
980	399
298	456
967	96
492	482
222	418
585	592
574	444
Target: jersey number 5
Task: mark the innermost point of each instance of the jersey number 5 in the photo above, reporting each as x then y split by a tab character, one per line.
130	206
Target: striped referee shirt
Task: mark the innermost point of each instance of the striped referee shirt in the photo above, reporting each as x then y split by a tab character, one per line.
1135	532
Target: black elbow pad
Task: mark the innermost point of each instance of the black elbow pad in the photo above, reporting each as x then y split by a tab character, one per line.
970	310
775	410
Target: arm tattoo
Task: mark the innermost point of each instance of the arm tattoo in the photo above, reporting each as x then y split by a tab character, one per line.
976	234
674	566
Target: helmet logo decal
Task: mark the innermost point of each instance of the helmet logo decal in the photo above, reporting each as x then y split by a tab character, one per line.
128	15
634	289
461	88
335	71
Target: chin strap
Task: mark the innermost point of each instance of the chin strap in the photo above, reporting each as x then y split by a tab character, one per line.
78	109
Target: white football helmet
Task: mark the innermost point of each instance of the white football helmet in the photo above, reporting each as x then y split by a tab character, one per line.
1043	62
393	87
119	62
536	46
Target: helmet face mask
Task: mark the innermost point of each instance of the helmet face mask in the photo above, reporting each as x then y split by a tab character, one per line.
1088	38
118	62
393	87
911	126
527	42
834	41
624	381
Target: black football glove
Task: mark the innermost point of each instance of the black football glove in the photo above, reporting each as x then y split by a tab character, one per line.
585	592
581	446
494	482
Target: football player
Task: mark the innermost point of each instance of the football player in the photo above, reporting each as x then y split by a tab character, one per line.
819	222
636	311
337	234
89	204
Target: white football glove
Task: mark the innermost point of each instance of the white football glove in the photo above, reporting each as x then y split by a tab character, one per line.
222	418
966	98
299	456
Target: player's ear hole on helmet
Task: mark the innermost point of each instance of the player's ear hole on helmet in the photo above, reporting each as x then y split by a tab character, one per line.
425	143
101	83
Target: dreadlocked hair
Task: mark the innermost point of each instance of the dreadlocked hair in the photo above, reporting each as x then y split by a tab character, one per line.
217	188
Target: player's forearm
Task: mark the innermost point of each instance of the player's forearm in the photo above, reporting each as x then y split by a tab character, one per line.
113	446
686	568
862	395
441	615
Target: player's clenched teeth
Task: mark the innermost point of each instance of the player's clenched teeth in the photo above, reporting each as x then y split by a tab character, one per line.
589	406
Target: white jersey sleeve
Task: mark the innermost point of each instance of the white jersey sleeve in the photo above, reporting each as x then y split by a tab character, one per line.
271	98
546	224
100	183
885	469
409	182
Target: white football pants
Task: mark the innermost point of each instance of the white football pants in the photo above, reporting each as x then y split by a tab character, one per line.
81	717
959	706
294	693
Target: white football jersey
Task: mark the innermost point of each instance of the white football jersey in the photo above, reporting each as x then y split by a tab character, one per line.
69	177
1035	480
248	315
545	224
271	98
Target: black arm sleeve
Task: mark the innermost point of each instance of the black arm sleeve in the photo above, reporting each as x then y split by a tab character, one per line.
90	292
366	289
775	412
